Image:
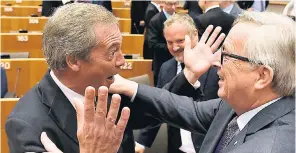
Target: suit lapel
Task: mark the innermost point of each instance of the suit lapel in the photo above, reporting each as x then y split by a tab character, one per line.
263	118
214	134
172	70
61	110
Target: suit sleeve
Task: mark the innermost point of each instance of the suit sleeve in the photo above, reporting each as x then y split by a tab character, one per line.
179	111
22	136
154	32
148	17
147	135
199	26
186	5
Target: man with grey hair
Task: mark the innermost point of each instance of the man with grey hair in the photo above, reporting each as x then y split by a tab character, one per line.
82	46
256	108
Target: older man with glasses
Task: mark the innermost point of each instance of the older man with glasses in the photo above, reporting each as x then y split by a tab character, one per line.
256	108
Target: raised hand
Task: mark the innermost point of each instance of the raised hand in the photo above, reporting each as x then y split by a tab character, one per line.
200	58
96	132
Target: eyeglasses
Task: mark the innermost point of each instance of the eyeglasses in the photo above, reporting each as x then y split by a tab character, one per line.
223	54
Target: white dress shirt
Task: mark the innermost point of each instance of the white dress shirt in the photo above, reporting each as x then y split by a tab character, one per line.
70	94
209	8
156	5
228	8
244	118
186	139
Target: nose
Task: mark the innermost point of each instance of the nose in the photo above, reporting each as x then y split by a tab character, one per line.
175	47
217	59
120	59
174	7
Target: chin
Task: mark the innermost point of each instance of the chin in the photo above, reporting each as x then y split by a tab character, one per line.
221	93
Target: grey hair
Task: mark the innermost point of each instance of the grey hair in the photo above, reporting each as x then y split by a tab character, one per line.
71	32
273	45
181	18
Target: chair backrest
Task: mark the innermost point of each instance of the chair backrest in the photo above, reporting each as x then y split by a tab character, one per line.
142	79
3	82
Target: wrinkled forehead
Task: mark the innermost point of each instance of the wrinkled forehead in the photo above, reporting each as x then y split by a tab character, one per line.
237	38
106	33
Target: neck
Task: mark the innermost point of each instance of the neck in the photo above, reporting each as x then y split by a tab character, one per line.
69	80
210	4
225	4
256	100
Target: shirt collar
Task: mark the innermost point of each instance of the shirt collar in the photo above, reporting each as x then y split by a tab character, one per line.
244	119
209	8
228	8
167	15
156	5
70	94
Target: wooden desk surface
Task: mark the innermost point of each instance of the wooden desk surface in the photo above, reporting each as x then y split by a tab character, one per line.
20	10
22	2
32	70
36	24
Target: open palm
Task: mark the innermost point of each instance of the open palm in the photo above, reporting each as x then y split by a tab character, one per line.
199	59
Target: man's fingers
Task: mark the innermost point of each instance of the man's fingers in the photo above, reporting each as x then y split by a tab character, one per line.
121	125
79	112
113	111
214	36
101	109
217	43
206	34
89	109
187	43
48	144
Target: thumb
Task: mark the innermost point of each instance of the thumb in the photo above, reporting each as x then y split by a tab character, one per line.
48	144
187	43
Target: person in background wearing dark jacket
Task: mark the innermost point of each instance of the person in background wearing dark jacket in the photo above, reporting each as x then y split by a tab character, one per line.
193	8
152	9
138	9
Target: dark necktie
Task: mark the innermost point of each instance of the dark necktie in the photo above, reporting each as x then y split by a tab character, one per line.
183	66
227	136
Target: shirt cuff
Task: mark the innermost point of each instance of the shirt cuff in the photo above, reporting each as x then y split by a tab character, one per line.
134	96
139	145
196	85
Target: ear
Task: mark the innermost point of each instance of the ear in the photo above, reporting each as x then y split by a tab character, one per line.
265	77
73	63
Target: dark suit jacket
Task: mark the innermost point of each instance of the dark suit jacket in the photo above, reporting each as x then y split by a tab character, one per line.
46	108
157	43
106	3
209	85
48	7
271	130
151	11
194	9
215	17
138	9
